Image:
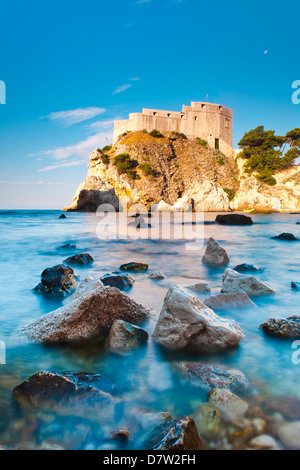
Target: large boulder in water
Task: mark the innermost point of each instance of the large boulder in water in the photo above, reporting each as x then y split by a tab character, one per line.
88	316
215	255
228	301
174	434
289	237
82	258
185	323
133	266
233	282
283	327
57	281
124	336
234	219
122	281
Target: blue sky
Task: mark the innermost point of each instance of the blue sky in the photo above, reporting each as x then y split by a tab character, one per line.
72	67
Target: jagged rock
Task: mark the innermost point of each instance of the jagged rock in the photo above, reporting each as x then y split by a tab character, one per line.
207	419
62	216
246	268
122	281
264	442
285	236
134	267
232	408
156	276
88	284
215	255
57	281
210	376
295	285
283	327
227	301
185	323
124	336
234	219
64	390
199	287
87	317
233	282
289	434
82	258
174	434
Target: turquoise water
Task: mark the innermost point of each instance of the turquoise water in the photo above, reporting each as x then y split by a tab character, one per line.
30	242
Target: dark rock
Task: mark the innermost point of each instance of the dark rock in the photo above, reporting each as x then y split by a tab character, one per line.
247	268
124	336
174	434
209	222
283	327
209	376
62	216
285	236
134	267
121	434
122	281
82	258
63	389
57	281
234	219
295	285
68	246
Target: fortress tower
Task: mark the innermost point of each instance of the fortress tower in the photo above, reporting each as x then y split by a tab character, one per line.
208	121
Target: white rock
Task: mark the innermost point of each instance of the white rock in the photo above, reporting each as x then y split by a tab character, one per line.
87	285
233	281
162	206
156	275
289	434
185	323
232	407
259	425
215	255
226	301
264	442
199	287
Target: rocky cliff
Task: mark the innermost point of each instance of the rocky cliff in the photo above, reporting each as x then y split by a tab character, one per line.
178	171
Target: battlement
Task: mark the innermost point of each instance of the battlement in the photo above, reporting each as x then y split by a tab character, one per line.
209	121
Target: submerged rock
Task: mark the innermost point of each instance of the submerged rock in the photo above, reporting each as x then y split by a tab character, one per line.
210	376
295	285
68	246
283	327
199	287
185	323
124	336
156	276
122	281
134	267
263	442
289	434
174	434
285	236
232	408
227	301
57	281
234	219
246	268
87	317
215	255
63	389
62	216
121	433
208	419
82	258
233	282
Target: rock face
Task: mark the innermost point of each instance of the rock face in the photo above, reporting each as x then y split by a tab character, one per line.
185	323
122	281
63	389
124	336
246	268
233	282
232	408
57	281
134	267
87	317
289	237
209	376
234	219
174	434
83	258
215	255
283	328
227	301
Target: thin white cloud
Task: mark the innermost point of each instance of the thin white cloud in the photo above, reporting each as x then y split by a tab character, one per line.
62	165
73	116
143	1
121	88
37	182
134	79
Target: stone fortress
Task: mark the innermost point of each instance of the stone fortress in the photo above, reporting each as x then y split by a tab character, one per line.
208	121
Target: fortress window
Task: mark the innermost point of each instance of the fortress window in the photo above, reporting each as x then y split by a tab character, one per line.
202	105
196	118
182	116
220	108
217	144
169	114
154	114
226	123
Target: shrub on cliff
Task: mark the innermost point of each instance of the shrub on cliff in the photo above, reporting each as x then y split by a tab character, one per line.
147	169
107	148
180	134
105	159
155	133
266	153
201	142
125	165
